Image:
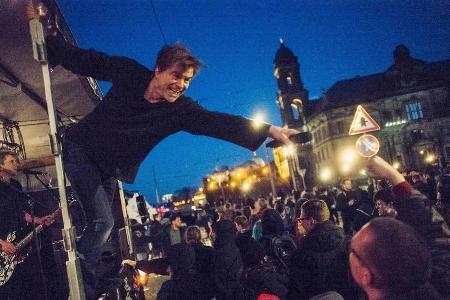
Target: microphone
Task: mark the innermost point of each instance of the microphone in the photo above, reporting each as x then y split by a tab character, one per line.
31	172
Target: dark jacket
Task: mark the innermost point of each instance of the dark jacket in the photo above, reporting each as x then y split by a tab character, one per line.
258	276
228	262
411	207
183	284
119	133
321	263
262	278
425	291
204	267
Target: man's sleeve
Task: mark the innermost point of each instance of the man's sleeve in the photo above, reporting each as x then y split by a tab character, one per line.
231	128
90	63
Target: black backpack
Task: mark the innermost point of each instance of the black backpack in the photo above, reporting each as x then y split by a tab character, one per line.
281	249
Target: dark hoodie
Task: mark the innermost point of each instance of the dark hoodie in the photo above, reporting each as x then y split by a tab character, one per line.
321	263
272	225
227	260
182	285
258	276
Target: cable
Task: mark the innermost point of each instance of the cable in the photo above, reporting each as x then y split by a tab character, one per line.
157	21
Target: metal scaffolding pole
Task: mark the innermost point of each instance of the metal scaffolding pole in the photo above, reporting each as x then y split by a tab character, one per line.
72	264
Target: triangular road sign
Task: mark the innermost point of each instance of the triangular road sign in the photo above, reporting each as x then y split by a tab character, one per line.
362	122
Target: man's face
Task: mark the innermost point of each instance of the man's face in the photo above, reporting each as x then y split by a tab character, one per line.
306	223
171	83
383	208
360	271
10	165
177	222
347	185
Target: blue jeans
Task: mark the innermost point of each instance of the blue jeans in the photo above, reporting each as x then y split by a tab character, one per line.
95	194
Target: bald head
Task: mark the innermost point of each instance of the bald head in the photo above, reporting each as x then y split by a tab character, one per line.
388	255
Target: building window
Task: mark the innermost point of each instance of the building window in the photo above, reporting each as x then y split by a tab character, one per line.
447	151
414	109
340	127
387	116
289	80
324	134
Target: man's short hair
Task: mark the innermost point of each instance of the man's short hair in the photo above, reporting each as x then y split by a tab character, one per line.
241	221
279	206
316	209
263	203
250	202
398	257
4	153
193	234
170	55
344	180
385	195
173	216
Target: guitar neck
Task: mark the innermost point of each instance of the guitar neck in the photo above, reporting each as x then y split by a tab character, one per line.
27	239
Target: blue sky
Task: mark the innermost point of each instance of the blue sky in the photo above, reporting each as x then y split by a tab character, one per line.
237	40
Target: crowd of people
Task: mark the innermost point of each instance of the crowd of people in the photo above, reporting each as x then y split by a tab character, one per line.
385	242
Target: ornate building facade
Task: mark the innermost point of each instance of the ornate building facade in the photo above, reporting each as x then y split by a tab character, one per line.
410	100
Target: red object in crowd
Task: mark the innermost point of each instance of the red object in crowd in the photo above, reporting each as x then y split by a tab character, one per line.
268	297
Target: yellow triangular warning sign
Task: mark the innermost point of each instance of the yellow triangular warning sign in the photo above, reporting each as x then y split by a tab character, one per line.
362	122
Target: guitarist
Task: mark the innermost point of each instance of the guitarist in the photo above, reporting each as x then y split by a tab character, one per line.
15	217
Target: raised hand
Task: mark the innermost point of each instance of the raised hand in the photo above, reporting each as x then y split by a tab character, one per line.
282	134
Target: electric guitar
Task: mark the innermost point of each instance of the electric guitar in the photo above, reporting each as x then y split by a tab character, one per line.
8	261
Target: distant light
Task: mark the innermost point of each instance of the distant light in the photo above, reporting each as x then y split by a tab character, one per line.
348	155
246	186
345	168
258	120
200	202
193	207
396	165
325	174
200	189
430	158
421	152
289	150
363	172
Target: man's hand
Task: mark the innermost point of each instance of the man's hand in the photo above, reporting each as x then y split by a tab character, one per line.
129	262
32	12
282	134
47	220
7	247
378	168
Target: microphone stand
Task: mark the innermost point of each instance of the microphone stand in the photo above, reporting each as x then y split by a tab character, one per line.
37	244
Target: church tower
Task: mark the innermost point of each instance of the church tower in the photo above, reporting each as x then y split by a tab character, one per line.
291	95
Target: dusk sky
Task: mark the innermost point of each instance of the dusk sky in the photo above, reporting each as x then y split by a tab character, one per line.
237	40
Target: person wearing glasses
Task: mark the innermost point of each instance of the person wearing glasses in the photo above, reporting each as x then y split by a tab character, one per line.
389	260
320	263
